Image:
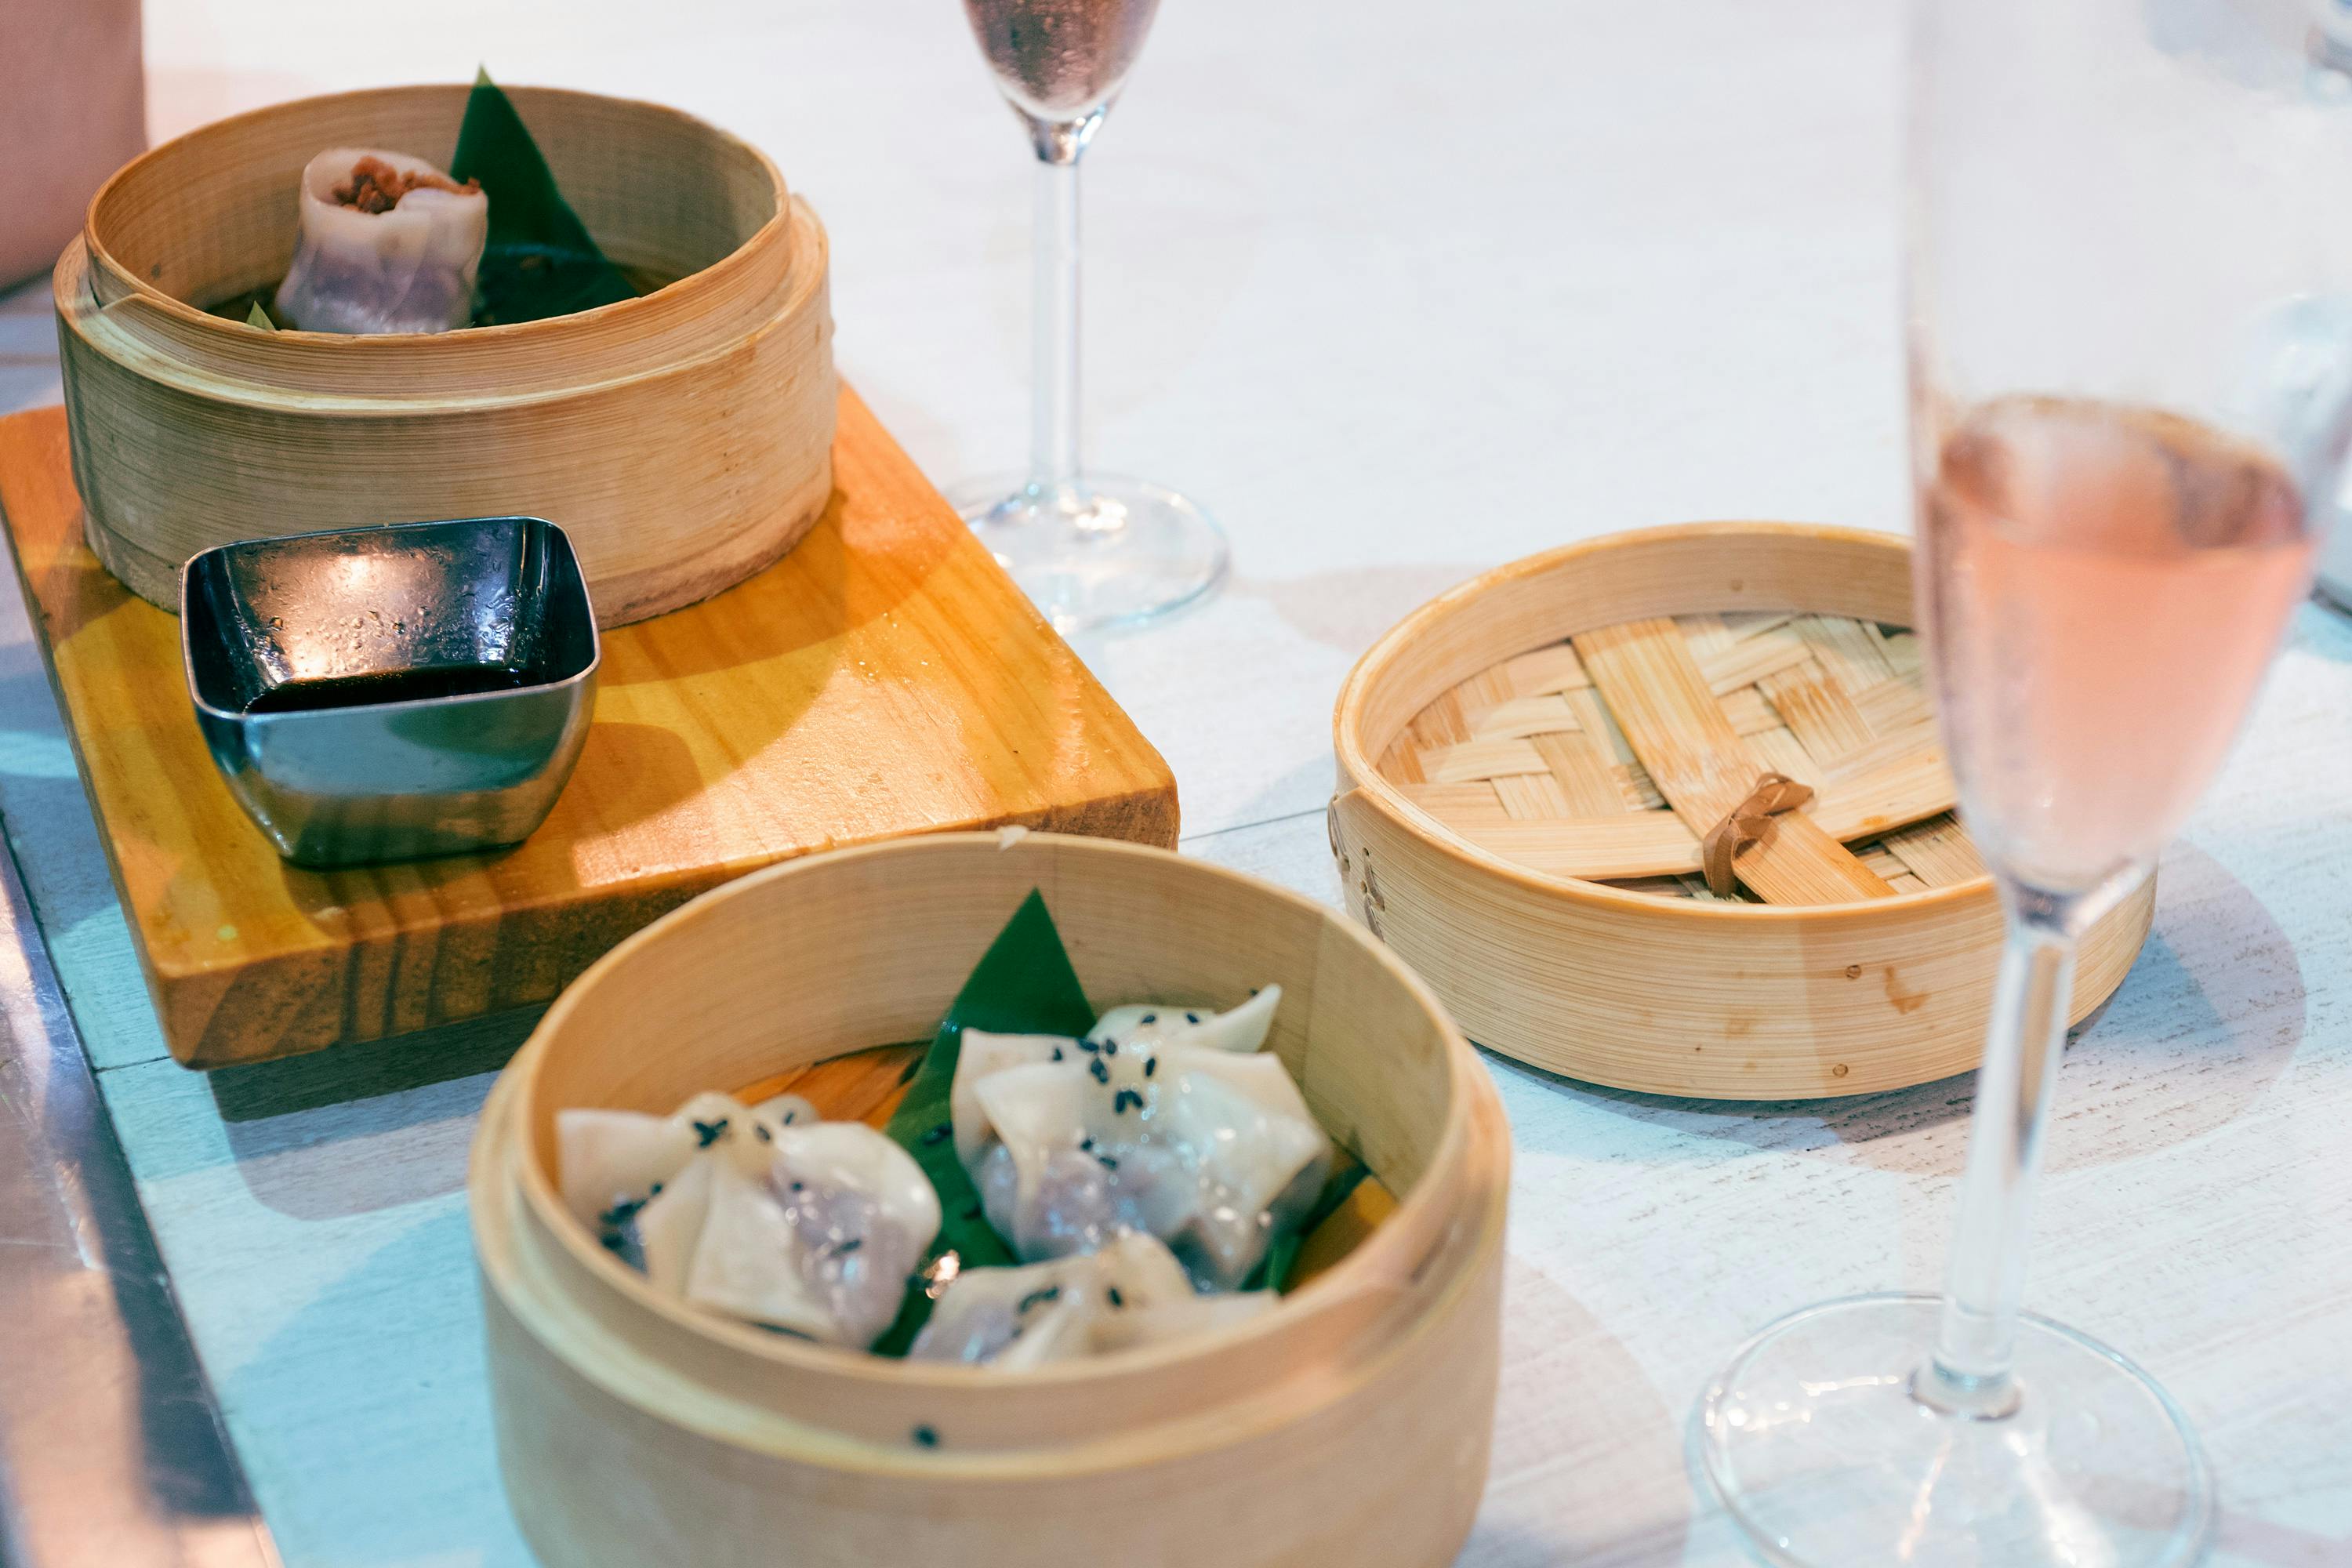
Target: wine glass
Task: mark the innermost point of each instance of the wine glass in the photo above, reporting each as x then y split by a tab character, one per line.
2129	383
1090	549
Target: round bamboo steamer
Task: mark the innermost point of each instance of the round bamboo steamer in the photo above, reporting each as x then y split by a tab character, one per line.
683	439
1351	1424
1670	995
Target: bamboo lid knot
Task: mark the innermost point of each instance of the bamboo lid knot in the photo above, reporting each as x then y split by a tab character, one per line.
1749	821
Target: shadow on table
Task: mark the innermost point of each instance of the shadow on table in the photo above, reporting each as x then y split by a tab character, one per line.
1587	1456
370	1071
1350	608
345	1157
1512	1545
2207	1018
2325	628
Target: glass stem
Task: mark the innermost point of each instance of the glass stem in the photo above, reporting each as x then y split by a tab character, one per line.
1970	1372
1053	369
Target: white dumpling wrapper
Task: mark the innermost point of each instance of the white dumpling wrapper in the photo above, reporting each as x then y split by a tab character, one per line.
1179	1127
610	1159
806	1226
669	1226
1165	1321
1131	1293
1240	1030
822	1243
411	269
786	1110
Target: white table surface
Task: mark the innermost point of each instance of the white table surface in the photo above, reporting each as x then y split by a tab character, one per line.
1400	291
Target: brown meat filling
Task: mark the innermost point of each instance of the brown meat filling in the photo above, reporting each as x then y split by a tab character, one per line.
375	186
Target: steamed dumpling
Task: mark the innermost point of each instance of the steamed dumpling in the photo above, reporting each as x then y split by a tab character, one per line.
387	244
1239	1030
1131	1293
762	1212
1167	1120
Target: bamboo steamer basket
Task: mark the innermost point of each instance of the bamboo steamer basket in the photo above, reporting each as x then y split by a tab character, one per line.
1351	1424
1524	734
683	439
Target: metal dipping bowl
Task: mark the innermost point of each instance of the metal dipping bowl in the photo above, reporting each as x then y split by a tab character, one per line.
390	692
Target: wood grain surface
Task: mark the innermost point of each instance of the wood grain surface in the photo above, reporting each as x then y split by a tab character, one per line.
1703	322
886	677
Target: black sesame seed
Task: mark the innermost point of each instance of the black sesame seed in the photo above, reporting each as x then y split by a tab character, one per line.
1125	1097
1102	1073
796	1186
1039	1297
1192	1017
944	1130
1086	1143
1115	1299
622	1213
1108	1162
1058	1053
654	1191
615	1242
791	1117
842	1249
1110	1047
926	1437
710	1132
759	1131
1151	1065
1090	1046
1152	1017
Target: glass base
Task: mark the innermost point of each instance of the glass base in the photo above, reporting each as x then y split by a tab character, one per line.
1109	551
1814	1443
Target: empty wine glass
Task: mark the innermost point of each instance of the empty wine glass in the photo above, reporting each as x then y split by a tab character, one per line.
2130	377
1090	549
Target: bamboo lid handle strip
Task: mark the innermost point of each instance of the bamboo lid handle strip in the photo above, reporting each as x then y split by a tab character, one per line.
1660	699
1749	821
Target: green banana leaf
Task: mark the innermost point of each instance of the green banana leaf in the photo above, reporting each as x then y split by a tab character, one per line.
540	260
1023	986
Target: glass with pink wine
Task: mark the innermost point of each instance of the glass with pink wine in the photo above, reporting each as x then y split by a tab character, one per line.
1091	549
2130	238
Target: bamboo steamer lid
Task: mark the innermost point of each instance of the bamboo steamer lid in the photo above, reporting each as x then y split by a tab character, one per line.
683	439
1530	764
1350	1424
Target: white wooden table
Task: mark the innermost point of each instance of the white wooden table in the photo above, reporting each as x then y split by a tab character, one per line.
1401	292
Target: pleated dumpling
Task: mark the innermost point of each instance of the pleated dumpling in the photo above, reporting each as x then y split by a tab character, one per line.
1131	1293
764	1213
387	244
1167	1120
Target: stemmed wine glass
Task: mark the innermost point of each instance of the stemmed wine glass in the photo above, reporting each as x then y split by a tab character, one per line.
1090	549
2129	383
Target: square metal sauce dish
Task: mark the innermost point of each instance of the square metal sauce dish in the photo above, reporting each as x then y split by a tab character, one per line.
389	692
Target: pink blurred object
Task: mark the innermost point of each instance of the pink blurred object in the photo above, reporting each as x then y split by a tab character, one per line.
73	109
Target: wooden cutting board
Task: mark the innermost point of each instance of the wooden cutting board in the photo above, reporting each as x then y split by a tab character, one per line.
885	678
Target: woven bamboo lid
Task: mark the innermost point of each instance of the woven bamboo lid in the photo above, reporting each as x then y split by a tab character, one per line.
1530	764
1538	759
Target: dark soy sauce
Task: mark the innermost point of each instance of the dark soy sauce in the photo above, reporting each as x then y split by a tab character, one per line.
389	686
